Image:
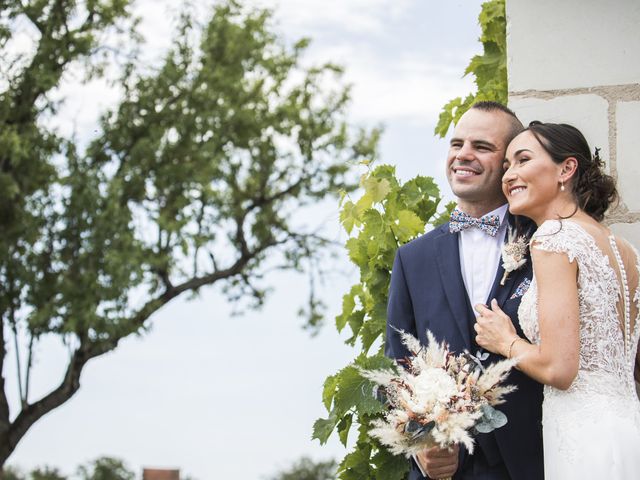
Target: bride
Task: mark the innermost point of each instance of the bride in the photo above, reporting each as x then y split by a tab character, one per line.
580	313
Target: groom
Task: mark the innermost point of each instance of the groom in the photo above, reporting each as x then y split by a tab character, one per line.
439	277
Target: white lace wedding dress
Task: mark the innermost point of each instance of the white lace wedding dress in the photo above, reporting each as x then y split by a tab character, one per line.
592	430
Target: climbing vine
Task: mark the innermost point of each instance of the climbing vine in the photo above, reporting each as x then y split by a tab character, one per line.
489	69
387	214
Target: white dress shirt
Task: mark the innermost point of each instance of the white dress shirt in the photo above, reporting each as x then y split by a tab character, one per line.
479	258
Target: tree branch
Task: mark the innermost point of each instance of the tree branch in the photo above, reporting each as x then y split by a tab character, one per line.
27	380
31	413
262	201
5	423
33	19
16	347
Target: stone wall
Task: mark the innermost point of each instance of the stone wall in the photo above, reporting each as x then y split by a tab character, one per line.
578	62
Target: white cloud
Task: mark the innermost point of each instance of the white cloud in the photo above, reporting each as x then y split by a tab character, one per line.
353	16
411	86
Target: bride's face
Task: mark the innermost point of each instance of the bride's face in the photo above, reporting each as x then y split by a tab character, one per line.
531	181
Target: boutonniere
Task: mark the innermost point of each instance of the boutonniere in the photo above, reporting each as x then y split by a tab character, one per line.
514	253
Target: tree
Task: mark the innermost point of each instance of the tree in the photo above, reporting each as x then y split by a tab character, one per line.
388	214
306	469
200	176
105	468
45	473
11	473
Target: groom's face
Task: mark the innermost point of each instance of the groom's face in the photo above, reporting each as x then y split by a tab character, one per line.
475	163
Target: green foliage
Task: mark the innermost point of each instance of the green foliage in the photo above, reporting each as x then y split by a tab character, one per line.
105	468
11	473
47	473
199	176
489	69
386	215
307	469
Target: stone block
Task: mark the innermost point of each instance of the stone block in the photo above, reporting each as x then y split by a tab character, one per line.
628	153
629	231
556	45
588	113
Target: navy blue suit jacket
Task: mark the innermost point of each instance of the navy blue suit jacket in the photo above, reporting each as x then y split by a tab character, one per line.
427	292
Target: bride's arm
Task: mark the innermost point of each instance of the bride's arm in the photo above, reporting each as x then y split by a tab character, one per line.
555	360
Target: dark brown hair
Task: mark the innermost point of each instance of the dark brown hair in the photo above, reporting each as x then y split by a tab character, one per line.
593	189
515	124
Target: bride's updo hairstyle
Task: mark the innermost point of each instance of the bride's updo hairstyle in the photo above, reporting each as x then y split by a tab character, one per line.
593	189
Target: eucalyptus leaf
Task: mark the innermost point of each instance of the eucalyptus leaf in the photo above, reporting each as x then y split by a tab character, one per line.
490	420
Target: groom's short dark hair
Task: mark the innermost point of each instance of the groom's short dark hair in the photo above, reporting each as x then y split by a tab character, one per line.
491	106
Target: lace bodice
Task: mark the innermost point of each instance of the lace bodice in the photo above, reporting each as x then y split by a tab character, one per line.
607	359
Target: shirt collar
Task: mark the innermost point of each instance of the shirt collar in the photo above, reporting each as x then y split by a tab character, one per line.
501	212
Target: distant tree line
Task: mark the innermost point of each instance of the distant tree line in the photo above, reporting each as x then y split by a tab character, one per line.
109	468
104	468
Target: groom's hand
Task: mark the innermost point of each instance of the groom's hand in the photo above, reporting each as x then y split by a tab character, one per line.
439	462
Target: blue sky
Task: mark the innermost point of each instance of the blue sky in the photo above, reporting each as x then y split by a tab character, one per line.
235	397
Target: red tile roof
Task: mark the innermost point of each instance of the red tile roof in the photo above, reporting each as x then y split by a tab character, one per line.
160	474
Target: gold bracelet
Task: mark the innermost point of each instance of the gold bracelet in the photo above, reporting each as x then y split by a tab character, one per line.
511	346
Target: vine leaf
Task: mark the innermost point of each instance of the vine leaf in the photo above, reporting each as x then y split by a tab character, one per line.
489	69
388	214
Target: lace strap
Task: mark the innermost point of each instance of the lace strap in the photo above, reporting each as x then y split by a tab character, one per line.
562	237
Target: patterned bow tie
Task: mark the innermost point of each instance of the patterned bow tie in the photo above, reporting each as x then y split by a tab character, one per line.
489	224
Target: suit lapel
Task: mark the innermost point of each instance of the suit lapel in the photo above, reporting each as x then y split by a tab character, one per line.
501	292
449	266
